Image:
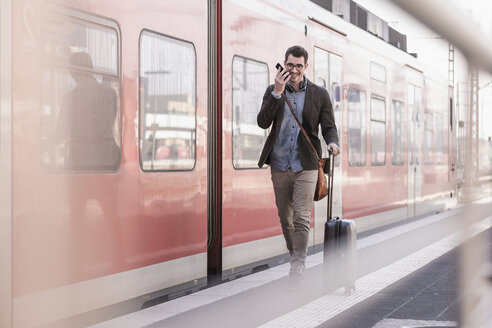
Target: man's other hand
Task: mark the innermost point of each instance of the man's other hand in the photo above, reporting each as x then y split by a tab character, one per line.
334	147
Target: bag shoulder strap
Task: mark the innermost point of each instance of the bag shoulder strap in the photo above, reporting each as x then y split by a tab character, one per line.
300	126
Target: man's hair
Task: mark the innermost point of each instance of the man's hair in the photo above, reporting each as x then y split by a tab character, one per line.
297	51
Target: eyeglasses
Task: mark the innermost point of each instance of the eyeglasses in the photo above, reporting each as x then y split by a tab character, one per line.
299	67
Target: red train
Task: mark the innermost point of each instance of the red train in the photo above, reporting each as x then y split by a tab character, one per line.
131	140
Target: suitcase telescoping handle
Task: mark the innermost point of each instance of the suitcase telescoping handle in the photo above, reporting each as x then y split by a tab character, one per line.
330	184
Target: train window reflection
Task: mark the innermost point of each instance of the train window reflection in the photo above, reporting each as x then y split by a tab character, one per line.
335	94
397	136
378	131
167	103
356	127
336	103
80	114
428	137
249	81
328	74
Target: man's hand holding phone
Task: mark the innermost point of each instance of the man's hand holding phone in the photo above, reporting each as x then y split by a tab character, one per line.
281	79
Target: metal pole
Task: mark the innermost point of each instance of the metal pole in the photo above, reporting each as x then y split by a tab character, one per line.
469	289
474	122
451	64
471	164
475	289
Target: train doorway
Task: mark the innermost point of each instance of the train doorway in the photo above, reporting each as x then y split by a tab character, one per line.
328	74
414	148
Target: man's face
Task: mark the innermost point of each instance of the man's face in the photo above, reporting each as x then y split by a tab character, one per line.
296	67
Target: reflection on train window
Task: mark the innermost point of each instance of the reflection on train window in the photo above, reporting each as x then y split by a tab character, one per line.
378	131
428	137
439	128
397	136
328	74
356	127
336	103
80	114
249	81
167	103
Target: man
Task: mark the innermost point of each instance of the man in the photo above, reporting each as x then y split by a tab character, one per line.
293	162
87	119
86	124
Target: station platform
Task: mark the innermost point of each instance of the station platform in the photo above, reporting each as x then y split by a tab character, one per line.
407	277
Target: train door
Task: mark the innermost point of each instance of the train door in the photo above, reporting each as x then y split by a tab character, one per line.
328	74
414	147
247	230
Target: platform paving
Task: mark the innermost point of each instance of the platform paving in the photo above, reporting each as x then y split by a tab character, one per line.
406	278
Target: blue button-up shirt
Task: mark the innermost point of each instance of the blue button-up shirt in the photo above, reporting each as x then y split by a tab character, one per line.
285	153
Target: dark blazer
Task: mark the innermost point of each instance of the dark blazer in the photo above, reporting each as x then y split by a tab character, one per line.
317	110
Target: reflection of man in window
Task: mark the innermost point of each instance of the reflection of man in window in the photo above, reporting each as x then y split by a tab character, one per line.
86	124
87	118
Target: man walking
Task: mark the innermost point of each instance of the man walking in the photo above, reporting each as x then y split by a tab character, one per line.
293	162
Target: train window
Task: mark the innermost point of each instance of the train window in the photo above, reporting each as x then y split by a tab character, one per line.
322	67
336	103
378	72
397	136
249	81
356	127
428	137
167	103
80	113
335	93
414	117
439	152
328	74
378	131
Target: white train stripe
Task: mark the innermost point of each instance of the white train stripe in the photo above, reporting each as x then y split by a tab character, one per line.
254	251
63	302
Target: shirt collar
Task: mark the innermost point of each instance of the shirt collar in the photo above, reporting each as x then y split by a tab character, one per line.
302	86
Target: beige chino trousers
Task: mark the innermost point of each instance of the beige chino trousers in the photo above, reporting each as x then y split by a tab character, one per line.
294	193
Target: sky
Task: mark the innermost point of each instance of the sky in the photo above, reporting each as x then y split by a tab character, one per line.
428	45
433	50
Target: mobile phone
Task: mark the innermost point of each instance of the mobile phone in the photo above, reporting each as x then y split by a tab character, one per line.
279	66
